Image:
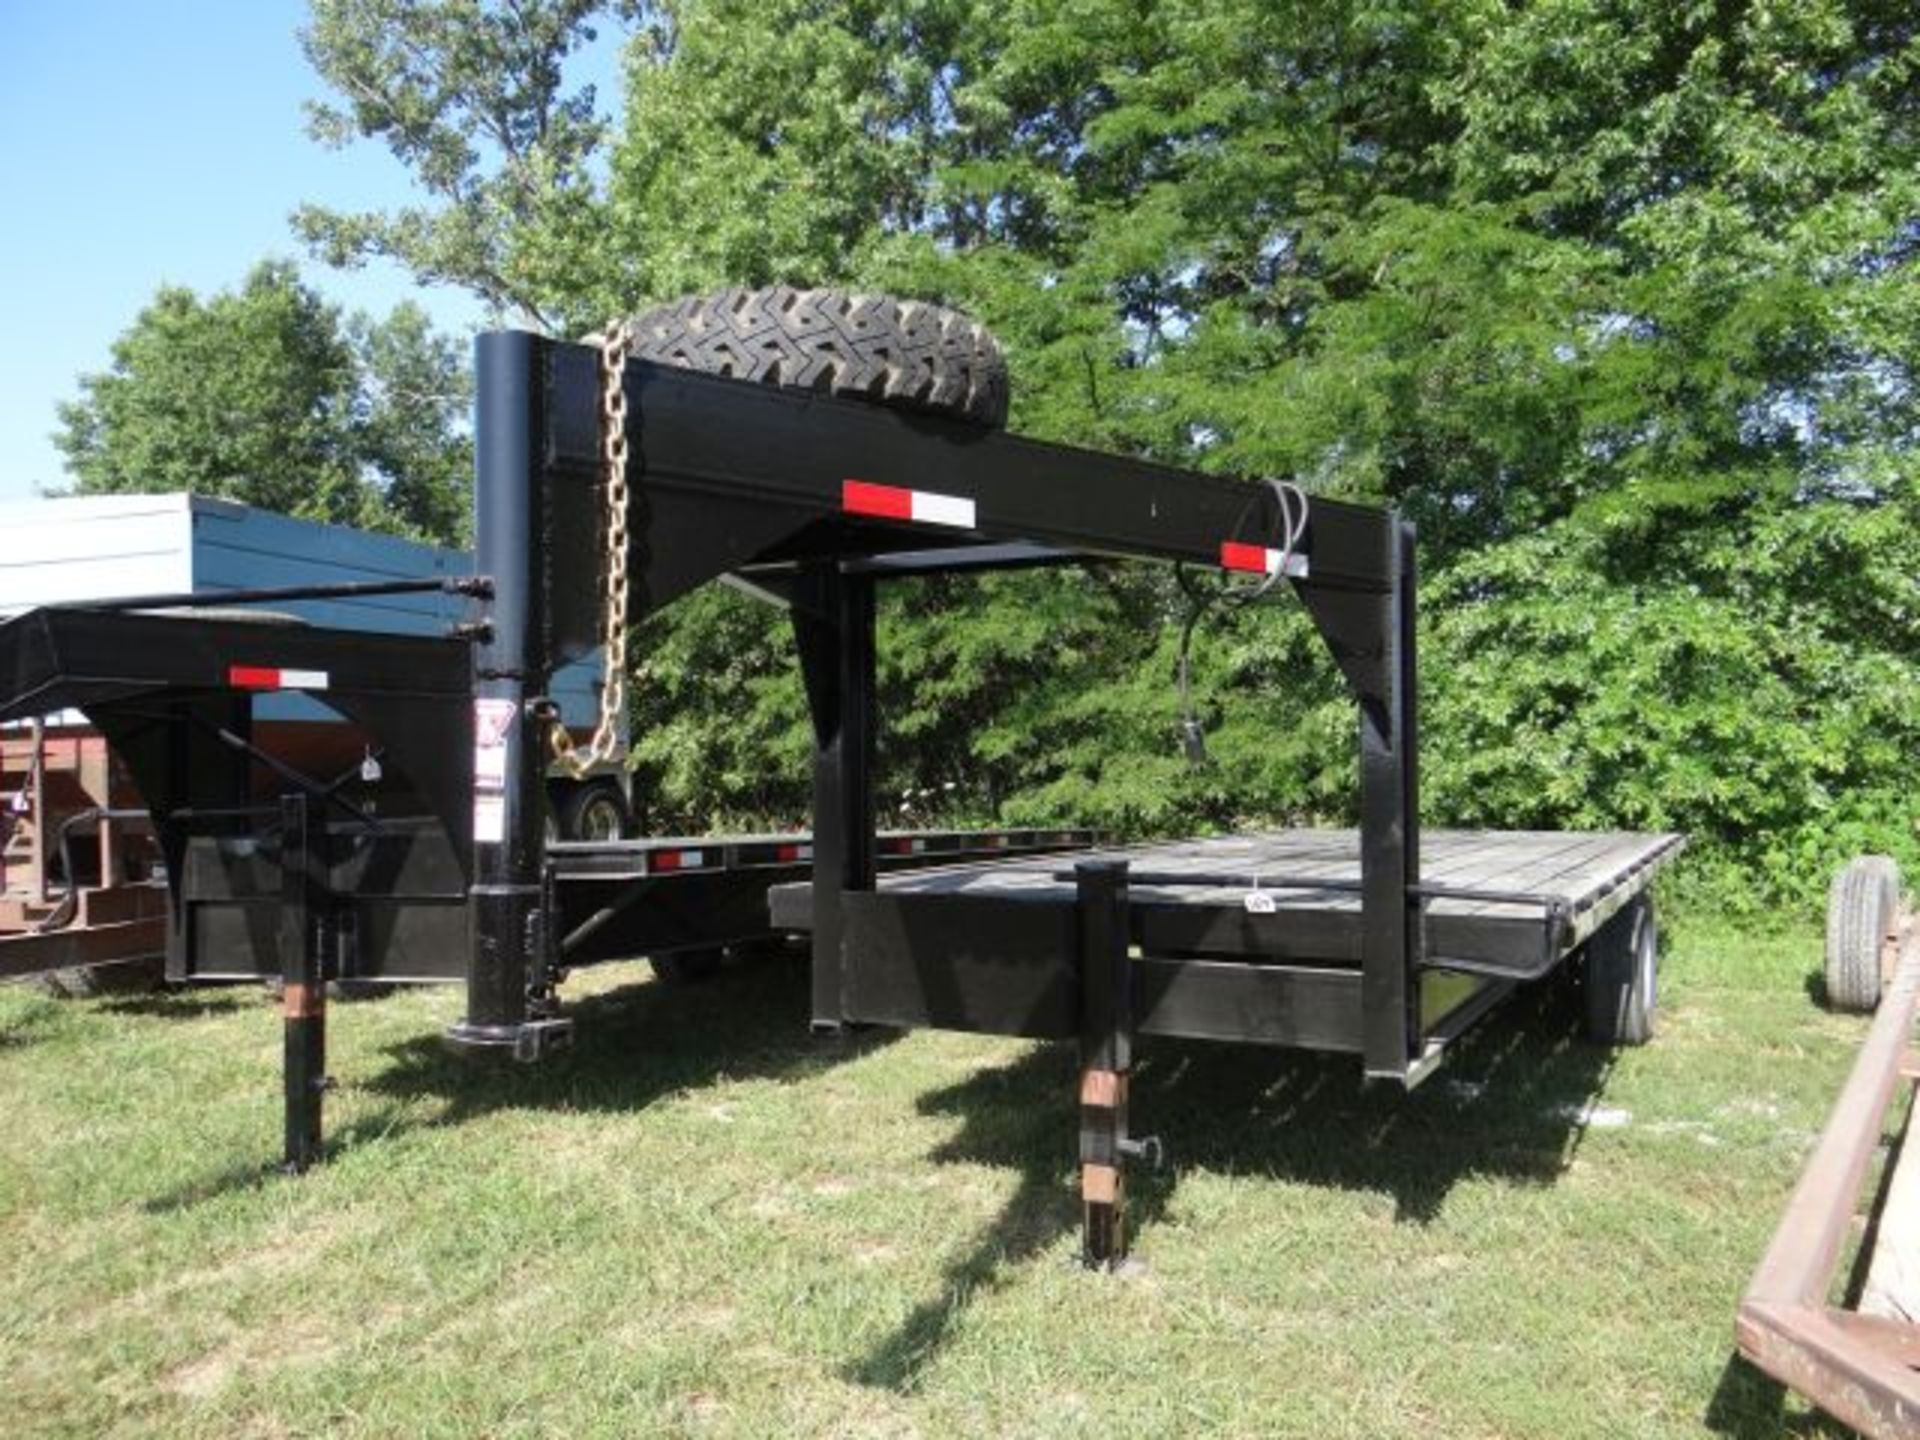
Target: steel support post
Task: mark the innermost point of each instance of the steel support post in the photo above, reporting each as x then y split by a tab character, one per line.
303	974
1106	1057
1390	830
833	624
507	933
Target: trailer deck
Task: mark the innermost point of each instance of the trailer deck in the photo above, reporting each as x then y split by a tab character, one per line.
1257	938
1499	901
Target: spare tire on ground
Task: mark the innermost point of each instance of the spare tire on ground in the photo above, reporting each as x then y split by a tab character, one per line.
1863	907
899	352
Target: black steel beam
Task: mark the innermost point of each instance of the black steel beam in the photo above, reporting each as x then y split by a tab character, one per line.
509	950
1389	828
1106	1057
303	975
55	659
958	962
1011	556
833	618
1285	1005
732	476
342	590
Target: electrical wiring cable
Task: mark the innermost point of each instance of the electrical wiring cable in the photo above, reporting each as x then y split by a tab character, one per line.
1292	509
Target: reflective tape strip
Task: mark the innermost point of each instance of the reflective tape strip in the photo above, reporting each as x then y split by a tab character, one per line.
1259	559
790	853
1100	1184
304	1002
1103	1089
893	502
663	861
268	677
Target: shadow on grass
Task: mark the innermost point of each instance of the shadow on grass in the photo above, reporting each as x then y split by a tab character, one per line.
116	993
196	1003
1511	1102
1751	1405
631	1047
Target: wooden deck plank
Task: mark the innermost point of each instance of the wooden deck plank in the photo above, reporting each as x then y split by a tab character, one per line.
1573	868
1541	869
1587	874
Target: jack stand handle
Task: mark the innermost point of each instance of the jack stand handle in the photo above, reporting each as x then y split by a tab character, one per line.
1147	1149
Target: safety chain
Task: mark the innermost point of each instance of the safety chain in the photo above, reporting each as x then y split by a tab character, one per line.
614	344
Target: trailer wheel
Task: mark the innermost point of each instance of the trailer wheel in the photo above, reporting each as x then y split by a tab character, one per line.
1622	976
873	347
594	811
687	967
1862	905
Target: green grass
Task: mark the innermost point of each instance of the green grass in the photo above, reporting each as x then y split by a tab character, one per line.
703	1222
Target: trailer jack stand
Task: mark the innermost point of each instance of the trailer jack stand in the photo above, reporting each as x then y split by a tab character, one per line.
304	999
1106	1062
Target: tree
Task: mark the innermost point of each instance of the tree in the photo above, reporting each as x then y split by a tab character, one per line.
265	396
469	96
415	395
1616	302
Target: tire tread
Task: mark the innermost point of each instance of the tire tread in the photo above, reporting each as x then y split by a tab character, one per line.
1861	904
898	352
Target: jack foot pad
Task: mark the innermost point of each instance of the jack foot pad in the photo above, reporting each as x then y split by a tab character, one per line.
527	1042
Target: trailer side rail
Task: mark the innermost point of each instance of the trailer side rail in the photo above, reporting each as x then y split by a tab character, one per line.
1860	1368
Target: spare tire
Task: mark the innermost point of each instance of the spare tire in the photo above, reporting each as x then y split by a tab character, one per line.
873	347
1863	905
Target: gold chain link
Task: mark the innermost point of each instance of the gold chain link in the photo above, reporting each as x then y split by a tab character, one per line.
614	344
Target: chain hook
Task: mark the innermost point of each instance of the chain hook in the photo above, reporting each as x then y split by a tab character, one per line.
614	343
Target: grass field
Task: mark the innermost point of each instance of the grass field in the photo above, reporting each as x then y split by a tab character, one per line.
704	1222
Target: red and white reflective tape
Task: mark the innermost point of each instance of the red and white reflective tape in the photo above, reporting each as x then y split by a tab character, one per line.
271	677
1260	559
665	862
907	845
787	854
894	502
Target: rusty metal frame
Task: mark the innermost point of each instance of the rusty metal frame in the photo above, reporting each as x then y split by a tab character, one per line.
142	938
1858	1368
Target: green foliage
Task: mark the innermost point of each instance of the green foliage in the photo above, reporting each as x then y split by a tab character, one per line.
415	393
1617	302
264	395
470	97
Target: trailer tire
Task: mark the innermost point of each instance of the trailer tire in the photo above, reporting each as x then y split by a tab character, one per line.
904	353
1622	976
593	811
1863	904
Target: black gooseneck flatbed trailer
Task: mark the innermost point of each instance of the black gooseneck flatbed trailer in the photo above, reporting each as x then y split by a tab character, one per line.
1340	942
1382	941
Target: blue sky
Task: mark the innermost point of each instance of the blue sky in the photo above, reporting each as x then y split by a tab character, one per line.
152	144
